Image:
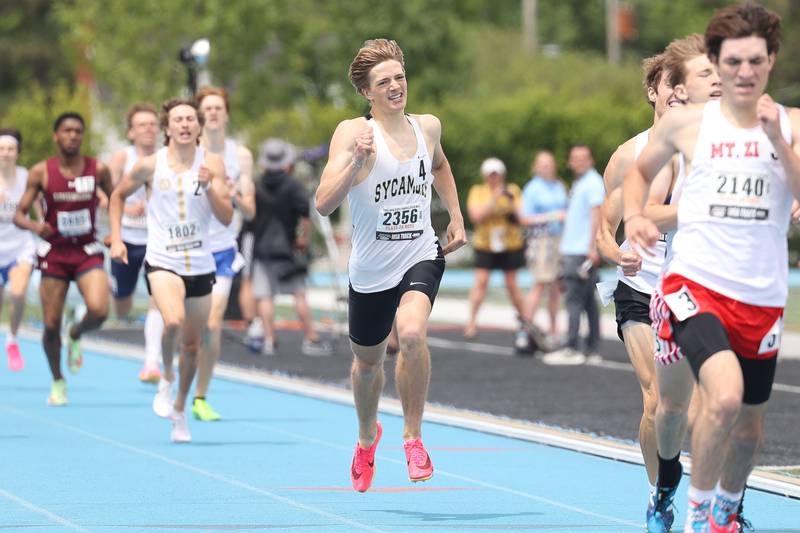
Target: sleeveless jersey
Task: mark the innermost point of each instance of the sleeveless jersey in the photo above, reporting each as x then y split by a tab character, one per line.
178	215
645	280
734	213
14	242
674	197
70	205
134	229
391	212
223	237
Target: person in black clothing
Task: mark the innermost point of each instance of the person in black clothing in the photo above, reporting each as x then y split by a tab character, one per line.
282	233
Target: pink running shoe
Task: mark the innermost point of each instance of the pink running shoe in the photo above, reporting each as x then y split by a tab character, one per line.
15	360
420	467
149	375
362	469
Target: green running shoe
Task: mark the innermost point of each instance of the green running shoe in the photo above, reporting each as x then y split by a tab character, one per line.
74	355
203	411
58	393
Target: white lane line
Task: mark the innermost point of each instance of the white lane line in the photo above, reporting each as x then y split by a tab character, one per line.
194	469
484	484
447	344
60	520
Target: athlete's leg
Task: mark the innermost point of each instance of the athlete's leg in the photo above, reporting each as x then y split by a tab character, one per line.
722	387
122	307
18	279
367	379
153	331
476	296
210	345
53	293
413	369
638	339
744	442
676	392
93	286
194	326
517	300
169	294
247	302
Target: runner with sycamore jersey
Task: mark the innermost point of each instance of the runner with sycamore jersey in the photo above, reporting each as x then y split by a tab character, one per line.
387	165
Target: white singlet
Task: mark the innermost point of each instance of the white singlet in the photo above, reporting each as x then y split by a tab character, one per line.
645	280
178	215
222	237
734	211
391	212
134	229
15	243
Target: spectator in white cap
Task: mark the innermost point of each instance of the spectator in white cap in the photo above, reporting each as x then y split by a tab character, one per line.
492	207
282	234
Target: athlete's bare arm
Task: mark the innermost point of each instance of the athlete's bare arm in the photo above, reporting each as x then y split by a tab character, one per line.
104	180
445	183
611	210
245	194
789	156
116	164
350	159
212	172
670	135
140	175
664	216
37	182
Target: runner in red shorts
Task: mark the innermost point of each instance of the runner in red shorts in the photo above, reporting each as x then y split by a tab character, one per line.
727	283
68	184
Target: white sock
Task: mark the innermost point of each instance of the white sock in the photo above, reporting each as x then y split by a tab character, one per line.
153	330
10	338
652	488
699	496
733	496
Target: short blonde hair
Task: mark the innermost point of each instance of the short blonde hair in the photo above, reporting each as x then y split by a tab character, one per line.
372	52
680	51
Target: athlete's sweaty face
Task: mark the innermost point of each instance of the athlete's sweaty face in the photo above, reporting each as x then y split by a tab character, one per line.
702	81
213	109
663	96
144	129
183	126
69	137
387	85
744	66
8	153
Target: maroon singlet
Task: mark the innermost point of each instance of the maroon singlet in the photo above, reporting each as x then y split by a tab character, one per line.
71	204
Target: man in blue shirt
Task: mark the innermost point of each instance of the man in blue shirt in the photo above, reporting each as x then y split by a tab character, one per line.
580	257
544	207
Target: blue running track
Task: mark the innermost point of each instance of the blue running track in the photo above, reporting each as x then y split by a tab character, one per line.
280	462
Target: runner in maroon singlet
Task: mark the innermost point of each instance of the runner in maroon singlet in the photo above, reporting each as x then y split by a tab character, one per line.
68	183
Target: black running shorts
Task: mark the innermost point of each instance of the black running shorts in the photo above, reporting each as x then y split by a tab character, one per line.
371	314
631	306
195	286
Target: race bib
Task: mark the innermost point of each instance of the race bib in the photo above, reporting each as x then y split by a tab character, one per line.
183	236
74	223
682	304
772	340
739	195
138	222
399	223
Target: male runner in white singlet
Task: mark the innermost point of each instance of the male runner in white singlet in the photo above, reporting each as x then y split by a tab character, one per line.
142	121
386	165
214	106
636	275
727	282
17	247
186	188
